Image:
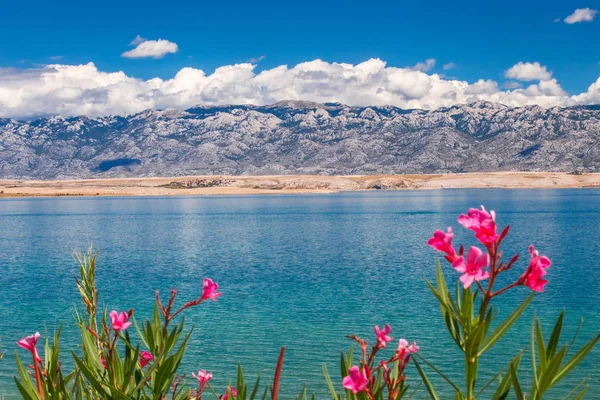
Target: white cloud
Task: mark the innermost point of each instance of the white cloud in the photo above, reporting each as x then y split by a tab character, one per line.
256	60
512	85
592	96
138	39
55	58
425	66
528	72
448	66
581	15
84	90
150	48
483	87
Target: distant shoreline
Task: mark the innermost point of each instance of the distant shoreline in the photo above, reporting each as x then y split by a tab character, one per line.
290	184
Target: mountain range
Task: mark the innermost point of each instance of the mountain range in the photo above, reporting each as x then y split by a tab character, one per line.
294	137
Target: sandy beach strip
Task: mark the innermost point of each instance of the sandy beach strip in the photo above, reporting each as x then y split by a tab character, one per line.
291	184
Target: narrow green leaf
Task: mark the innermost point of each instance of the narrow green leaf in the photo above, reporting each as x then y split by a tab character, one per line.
255	390
410	396
302	395
456	388
575	360
553	342
504	326
541	349
426	381
576	335
515	382
582	393
332	390
576	388
503	388
551	370
517	359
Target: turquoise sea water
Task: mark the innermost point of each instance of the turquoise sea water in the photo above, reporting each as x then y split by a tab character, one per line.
300	271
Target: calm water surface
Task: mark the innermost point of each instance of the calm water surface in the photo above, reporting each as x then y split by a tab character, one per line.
300	271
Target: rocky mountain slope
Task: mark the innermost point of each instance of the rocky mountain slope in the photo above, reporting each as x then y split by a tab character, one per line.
301	137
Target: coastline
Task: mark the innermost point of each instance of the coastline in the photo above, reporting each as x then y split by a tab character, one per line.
291	184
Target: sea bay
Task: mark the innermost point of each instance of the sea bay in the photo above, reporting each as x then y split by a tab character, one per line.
301	271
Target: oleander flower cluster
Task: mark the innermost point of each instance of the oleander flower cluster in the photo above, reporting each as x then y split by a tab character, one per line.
480	265
363	378
105	366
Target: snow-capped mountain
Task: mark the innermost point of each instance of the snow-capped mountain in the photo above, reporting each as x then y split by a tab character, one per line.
294	137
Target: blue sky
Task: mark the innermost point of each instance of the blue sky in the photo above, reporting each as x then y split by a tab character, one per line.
482	39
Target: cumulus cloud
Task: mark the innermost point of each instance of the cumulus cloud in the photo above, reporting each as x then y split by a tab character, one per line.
425	66
483	87
448	66
84	90
581	15
150	48
528	72
512	85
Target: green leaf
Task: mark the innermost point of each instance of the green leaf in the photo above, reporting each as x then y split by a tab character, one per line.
515	382
426	381
445	307
575	360
503	388
332	390
553	342
582	393
255	390
302	395
25	393
576	335
410	396
517	359
576	388
264	397
456	388
541	351
504	326
533	360
91	378
551	370
26	386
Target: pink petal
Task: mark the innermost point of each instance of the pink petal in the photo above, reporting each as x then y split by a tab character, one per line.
474	254
459	264
467	280
483	261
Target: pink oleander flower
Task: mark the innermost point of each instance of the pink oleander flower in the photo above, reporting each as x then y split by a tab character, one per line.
210	290
443	242
404	348
482	223
28	343
119	321
383	335
103	362
145	358
233	393
535	271
356	381
203	377
473	269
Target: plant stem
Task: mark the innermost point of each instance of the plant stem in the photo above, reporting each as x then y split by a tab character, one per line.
278	374
471	367
38	375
